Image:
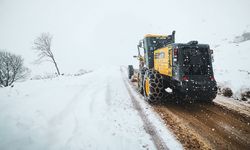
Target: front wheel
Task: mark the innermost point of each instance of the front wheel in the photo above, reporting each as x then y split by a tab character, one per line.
141	79
130	71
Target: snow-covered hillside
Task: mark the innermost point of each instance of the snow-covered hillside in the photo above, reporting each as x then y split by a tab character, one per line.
232	65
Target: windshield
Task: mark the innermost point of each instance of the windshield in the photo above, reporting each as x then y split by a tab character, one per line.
159	42
196	61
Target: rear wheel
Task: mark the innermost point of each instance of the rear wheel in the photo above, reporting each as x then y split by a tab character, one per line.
153	86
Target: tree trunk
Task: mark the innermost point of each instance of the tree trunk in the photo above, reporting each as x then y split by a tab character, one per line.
57	69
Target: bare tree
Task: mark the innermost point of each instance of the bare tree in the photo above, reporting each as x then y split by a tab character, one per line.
42	45
11	68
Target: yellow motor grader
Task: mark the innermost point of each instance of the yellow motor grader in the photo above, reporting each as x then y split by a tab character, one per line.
179	69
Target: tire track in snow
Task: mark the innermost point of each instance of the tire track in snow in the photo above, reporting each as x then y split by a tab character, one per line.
148	126
93	101
75	134
57	119
106	91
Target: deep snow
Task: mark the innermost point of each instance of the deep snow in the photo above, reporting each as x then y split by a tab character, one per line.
93	111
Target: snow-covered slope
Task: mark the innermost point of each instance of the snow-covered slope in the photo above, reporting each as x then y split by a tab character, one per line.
232	65
93	111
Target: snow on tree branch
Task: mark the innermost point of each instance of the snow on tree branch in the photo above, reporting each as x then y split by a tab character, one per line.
11	68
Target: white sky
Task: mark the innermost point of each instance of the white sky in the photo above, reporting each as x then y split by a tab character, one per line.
90	33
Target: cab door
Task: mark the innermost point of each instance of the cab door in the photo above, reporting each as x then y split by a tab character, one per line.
163	61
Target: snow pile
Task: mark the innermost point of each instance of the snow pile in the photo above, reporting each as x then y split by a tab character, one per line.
232	65
230	103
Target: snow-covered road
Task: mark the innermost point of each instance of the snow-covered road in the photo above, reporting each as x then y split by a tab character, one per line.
93	111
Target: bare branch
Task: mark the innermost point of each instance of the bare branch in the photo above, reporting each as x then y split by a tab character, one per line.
42	45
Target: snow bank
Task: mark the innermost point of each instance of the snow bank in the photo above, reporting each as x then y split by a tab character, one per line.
166	135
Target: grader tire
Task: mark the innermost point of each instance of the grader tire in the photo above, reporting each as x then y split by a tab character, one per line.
153	86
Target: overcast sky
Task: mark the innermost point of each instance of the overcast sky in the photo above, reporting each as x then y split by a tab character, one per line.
92	33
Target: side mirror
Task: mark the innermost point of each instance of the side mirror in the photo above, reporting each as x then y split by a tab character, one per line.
211	51
212	56
140	44
173	36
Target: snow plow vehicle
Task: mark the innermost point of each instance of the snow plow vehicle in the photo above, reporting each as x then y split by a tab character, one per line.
182	70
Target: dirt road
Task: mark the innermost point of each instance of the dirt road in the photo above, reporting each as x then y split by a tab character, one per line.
205	126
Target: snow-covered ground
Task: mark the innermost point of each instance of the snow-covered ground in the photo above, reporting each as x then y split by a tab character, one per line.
93	111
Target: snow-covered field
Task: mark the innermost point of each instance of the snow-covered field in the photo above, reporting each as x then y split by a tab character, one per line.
93	111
